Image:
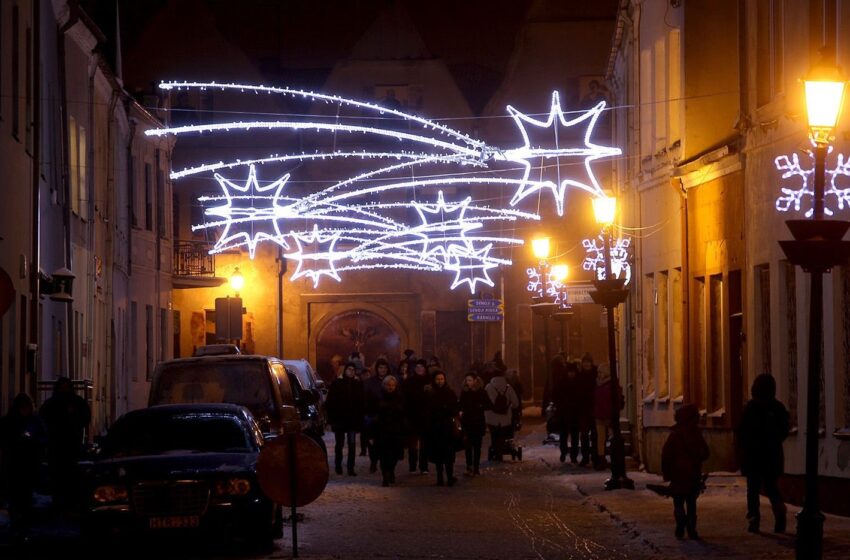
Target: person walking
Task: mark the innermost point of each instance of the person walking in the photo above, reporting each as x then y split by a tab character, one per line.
415	405
390	428
442	408
67	416
587	375
374	389
474	402
681	463
345	413
764	426
602	414
22	441
503	400
566	396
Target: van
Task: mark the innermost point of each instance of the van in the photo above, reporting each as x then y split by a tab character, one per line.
259	383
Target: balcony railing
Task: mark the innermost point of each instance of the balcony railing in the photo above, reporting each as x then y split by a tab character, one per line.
192	258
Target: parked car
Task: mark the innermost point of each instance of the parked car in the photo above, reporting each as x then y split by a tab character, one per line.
259	383
309	398
180	467
216	350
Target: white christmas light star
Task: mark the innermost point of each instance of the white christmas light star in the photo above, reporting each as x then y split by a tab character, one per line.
324	252
470	265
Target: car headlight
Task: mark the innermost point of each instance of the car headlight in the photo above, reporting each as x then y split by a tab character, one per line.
232	487
110	493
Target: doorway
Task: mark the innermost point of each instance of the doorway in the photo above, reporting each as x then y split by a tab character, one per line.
355	331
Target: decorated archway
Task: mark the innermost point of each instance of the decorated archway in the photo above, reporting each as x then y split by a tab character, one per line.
355	330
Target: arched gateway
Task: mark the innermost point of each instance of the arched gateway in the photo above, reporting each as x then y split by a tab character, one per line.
356	330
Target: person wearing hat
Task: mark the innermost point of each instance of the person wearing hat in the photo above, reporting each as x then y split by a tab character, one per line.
345	412
415	403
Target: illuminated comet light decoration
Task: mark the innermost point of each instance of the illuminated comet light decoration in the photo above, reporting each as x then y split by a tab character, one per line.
792	196
595	259
392	215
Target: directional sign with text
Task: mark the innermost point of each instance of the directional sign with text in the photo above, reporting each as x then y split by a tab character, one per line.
485	310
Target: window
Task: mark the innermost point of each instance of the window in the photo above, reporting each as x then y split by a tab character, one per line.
163	333
160	202
148	341
659	95
646	103
716	365
15	91
73	156
28	114
662	343
674	86
134	340
134	203
789	284
762	338
843	386
769	50
699	334
677	363
81	170
148	198
649	335
175	216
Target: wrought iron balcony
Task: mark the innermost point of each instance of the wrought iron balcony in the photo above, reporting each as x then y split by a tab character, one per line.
194	266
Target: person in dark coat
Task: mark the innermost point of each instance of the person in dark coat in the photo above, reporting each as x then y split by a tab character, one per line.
414	402
764	426
473	403
602	414
374	389
566	396
681	464
22	441
390	428
345	413
67	416
442	407
587	375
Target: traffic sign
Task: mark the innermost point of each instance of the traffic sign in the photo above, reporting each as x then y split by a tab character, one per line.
474	317
578	293
485	310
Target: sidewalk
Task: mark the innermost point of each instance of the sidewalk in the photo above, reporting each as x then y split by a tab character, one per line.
722	525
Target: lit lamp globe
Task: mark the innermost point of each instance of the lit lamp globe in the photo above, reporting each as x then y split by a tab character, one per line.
604	210
559	272
824	88
540	246
237	281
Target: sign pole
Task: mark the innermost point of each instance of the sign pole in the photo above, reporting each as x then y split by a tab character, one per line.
293	488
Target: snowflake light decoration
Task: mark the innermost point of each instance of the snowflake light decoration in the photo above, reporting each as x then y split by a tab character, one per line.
792	196
595	259
385	216
540	283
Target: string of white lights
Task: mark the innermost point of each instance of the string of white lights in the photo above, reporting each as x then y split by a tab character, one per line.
792	196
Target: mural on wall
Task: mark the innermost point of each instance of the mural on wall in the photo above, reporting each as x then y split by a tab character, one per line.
403	207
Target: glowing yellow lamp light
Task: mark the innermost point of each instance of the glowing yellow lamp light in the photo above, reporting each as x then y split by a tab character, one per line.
559	272
824	95
237	281
540	247
605	208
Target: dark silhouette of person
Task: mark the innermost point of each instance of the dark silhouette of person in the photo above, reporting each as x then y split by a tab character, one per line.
67	416
681	463
764	426
22	440
345	412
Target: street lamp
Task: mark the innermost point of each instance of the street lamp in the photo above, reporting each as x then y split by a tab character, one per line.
610	293
544	305
237	281
817	247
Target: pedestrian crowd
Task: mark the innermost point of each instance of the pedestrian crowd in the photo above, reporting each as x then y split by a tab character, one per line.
412	408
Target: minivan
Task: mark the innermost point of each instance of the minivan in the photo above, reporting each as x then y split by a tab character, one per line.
259	383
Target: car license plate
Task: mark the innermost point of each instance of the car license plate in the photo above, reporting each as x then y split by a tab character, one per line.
174	522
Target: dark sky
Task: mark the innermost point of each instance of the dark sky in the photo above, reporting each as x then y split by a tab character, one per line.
305	38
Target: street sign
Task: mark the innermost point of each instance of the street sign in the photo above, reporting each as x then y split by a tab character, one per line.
228	318
578	293
485	310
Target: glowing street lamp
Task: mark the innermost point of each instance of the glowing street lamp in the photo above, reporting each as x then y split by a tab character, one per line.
237	281
610	293
817	247
559	272
541	246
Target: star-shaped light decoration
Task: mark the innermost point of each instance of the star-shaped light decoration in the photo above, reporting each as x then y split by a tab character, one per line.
324	252
595	259
551	155
470	265
792	196
240	215
447	220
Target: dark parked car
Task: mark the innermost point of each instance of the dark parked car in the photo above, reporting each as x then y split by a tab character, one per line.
259	383
180	467
310	402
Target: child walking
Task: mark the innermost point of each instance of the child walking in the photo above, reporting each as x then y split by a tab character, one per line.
681	463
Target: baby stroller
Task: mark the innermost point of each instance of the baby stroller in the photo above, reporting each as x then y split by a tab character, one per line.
510	446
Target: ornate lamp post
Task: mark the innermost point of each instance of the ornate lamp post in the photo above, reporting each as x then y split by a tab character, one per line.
237	281
610	293
817	247
544	305
558	274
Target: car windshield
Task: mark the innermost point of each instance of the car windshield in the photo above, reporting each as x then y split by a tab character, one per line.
154	434
208	381
301	372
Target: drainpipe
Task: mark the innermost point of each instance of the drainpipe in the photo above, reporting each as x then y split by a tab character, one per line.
29	381
73	17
